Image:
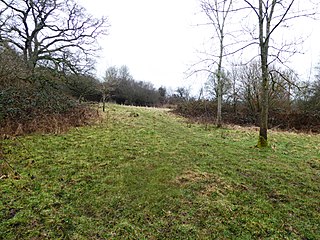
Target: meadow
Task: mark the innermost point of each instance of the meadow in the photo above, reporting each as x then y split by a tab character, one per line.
144	173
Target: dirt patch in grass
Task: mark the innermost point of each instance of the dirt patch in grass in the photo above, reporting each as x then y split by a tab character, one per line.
191	176
206	183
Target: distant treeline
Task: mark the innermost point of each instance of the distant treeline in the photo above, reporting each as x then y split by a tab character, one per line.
120	87
51	100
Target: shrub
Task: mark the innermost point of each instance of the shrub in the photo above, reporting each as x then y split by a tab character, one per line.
24	103
40	108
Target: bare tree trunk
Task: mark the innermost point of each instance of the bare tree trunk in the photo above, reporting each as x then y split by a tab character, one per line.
263	133
103	101
219	82
264	35
219	112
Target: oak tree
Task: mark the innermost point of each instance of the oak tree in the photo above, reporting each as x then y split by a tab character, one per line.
59	34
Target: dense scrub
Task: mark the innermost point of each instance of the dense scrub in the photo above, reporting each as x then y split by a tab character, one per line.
40	108
205	111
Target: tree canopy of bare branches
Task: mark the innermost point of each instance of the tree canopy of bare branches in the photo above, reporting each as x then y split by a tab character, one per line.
59	34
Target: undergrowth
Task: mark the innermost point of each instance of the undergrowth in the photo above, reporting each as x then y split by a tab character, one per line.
146	174
40	108
57	123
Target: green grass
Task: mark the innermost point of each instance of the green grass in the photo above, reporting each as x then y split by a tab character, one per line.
146	174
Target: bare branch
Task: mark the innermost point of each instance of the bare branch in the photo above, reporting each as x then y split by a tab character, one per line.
45	30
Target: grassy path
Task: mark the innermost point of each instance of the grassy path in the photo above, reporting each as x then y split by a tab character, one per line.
145	174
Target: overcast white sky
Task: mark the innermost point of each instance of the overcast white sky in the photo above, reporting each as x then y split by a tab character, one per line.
157	39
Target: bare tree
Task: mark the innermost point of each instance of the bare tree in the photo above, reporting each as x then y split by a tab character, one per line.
282	83
217	12
250	82
271	15
55	33
182	93
214	87
109	84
